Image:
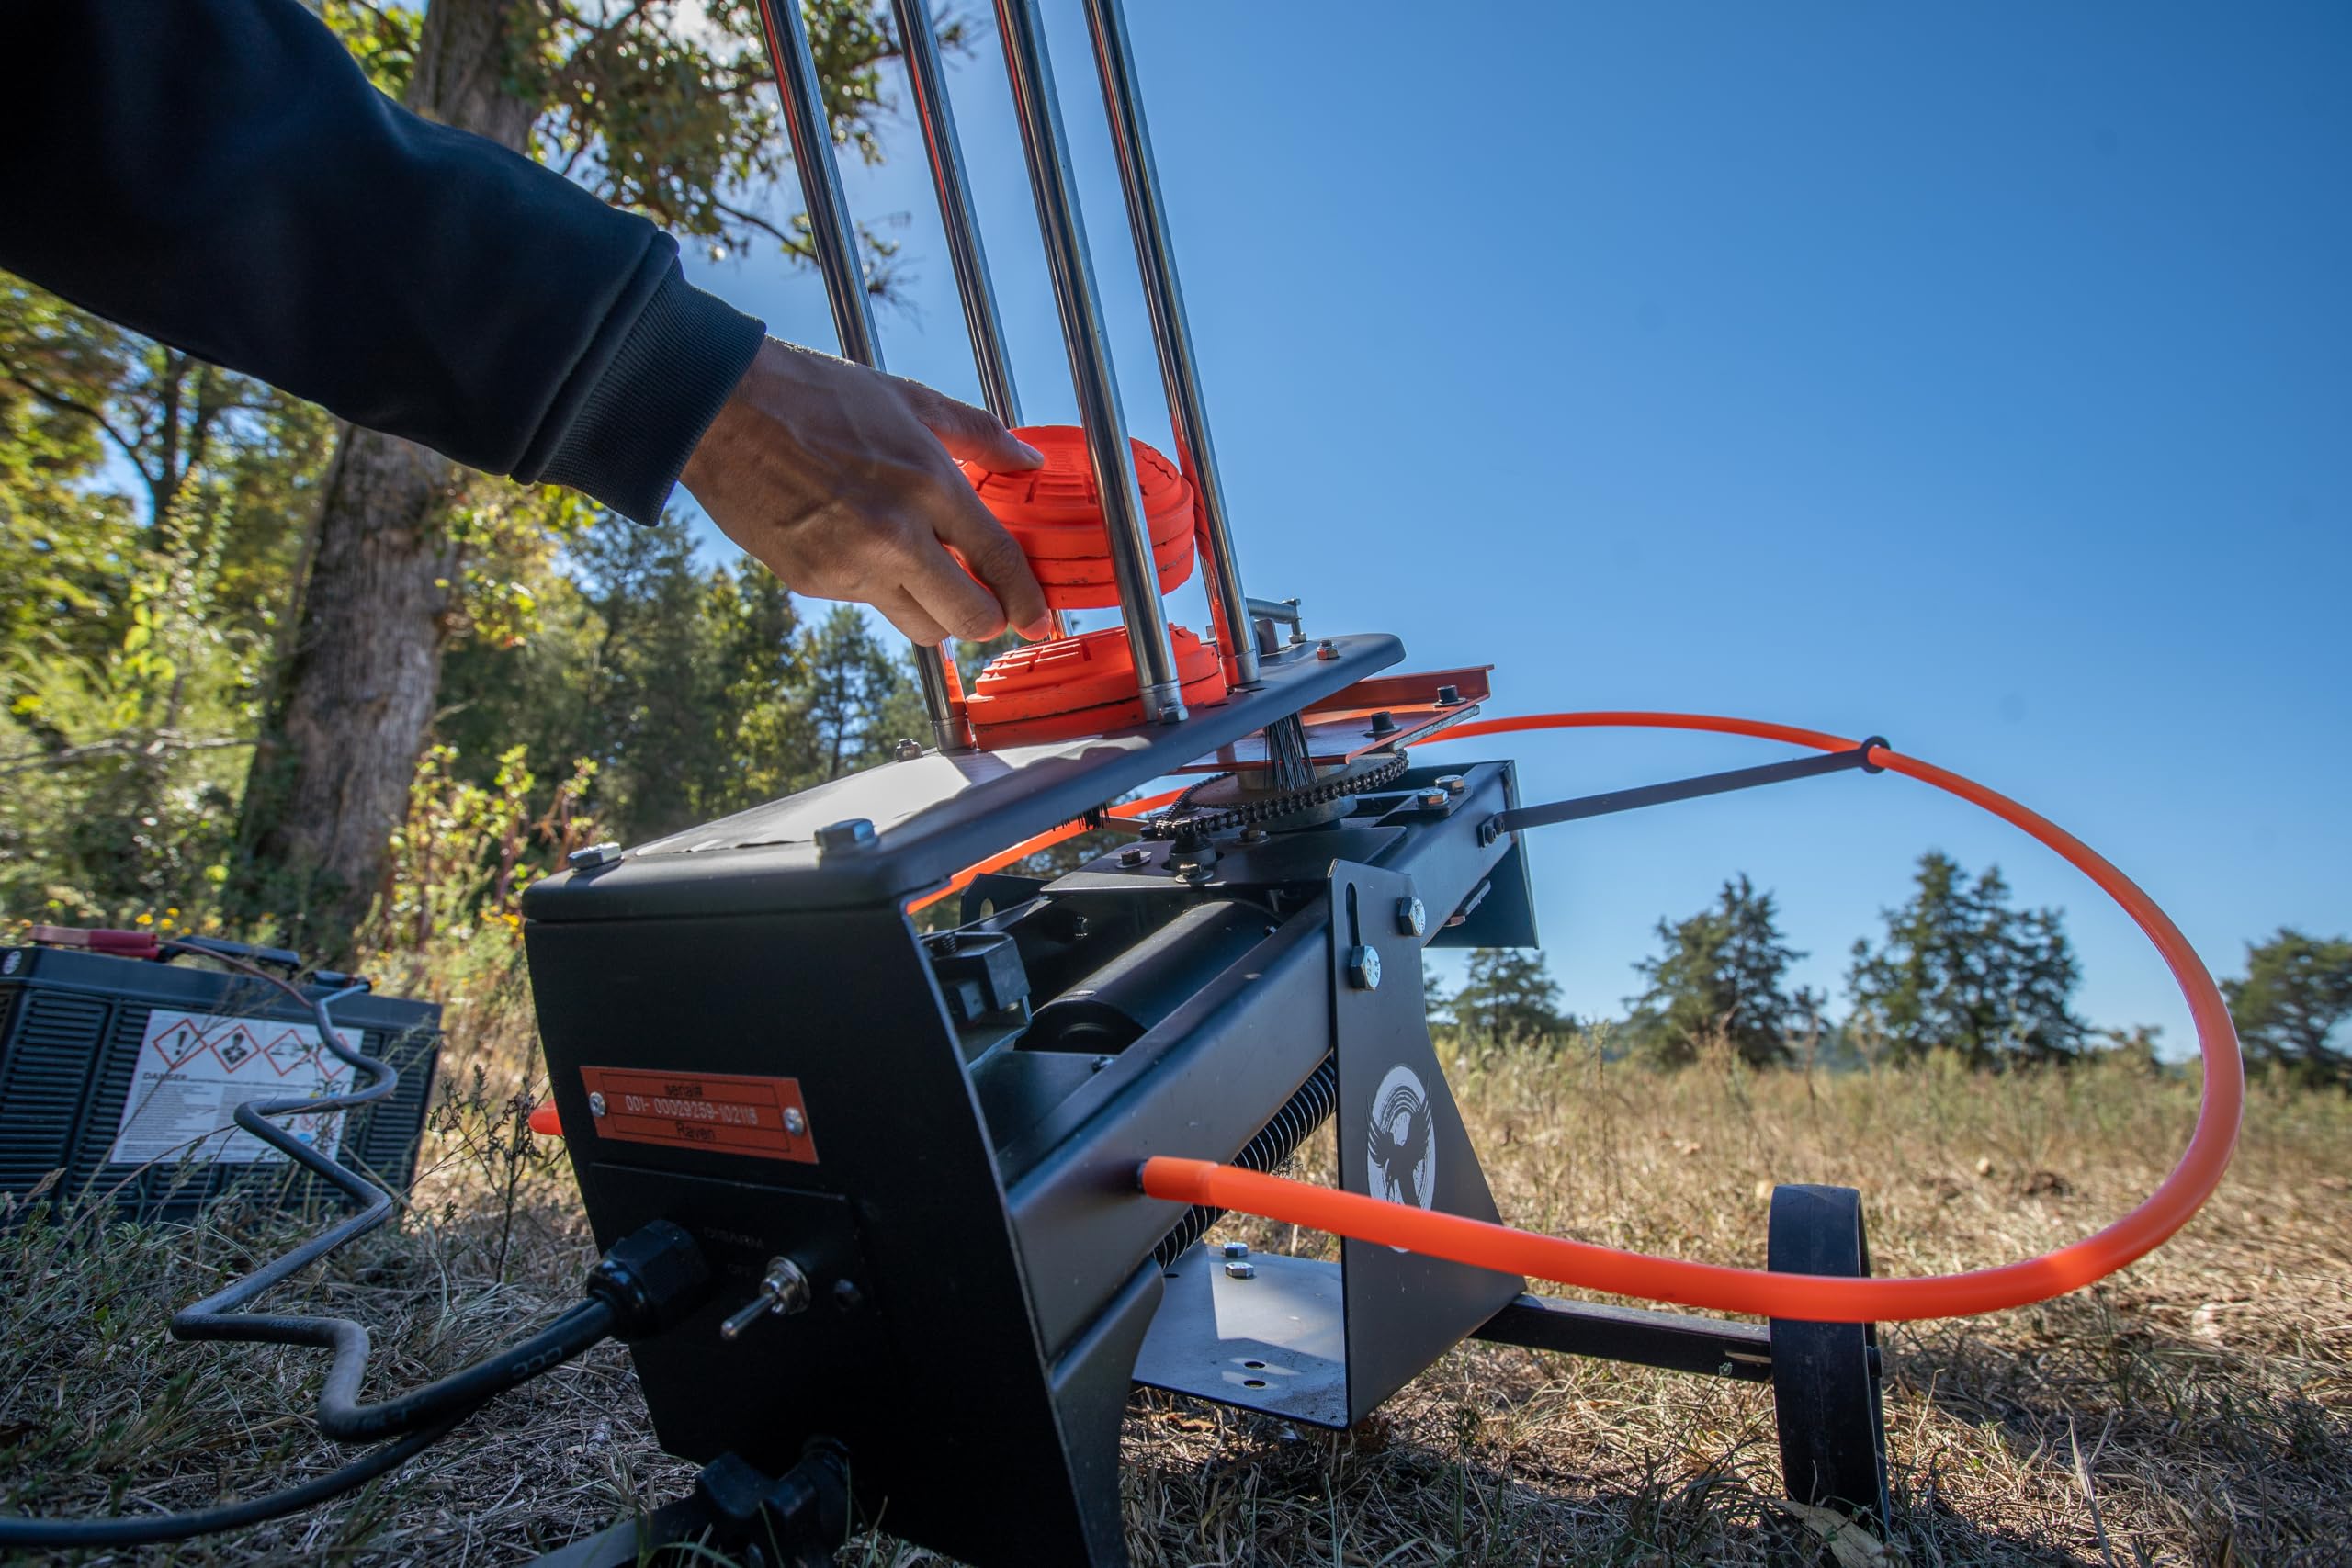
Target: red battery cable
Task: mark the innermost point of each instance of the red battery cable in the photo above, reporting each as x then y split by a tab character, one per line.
1762	1292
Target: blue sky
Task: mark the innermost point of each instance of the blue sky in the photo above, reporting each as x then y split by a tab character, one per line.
1980	376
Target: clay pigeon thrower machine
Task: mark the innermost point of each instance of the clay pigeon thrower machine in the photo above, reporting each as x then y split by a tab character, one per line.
909	1161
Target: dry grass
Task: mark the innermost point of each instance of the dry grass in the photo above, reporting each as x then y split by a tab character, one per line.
2195	1409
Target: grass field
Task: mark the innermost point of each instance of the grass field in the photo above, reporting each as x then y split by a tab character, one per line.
2195	1409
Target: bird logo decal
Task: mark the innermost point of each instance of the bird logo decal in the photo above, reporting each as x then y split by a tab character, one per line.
1403	1144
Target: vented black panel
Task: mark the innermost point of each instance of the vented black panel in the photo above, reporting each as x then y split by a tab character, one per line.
71	1029
41	1084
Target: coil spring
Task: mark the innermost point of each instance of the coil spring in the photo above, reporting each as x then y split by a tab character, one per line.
1301	1114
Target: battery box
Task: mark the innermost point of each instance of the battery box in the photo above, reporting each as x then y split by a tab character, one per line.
120	1074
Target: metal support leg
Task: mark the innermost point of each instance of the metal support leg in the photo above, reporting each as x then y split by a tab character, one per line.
1139	177
945	150
1081	306
835	238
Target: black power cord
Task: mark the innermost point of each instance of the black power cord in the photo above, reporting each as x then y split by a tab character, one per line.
644	1282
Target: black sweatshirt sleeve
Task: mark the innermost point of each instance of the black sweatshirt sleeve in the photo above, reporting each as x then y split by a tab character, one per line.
219	175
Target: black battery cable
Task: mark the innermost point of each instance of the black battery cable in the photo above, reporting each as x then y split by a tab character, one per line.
646	1281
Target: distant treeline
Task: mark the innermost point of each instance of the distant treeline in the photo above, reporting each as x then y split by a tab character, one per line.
1958	968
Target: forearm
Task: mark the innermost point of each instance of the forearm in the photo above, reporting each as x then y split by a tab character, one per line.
219	175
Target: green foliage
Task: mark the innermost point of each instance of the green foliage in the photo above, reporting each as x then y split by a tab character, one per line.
2291	1004
1962	970
1719	974
1506	995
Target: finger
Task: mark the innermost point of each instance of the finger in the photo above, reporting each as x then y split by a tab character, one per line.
971	433
947	592
991	555
899	607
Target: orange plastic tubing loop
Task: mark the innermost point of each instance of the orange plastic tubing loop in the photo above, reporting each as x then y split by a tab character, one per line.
1757	1291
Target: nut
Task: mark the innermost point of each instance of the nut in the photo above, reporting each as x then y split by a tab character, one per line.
1134	854
593	856
1235	1249
1241	1270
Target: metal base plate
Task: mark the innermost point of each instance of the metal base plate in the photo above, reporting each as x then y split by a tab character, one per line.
1276	1343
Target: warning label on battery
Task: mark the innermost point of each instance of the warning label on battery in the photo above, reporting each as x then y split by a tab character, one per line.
195	1068
727	1113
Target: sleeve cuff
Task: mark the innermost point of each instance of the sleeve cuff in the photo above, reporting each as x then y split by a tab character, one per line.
661	388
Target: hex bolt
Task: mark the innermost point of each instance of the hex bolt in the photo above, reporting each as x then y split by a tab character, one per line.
1327	650
593	856
1453	784
1412	917
907	751
1134	854
1448	696
1384	723
1435	798
1363	967
856	833
796	1122
1254	834
596	1103
1241	1270
783	1292
1235	1249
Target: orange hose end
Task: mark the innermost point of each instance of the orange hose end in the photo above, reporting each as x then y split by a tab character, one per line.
1762	1292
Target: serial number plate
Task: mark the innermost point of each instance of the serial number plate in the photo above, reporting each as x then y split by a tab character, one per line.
725	1113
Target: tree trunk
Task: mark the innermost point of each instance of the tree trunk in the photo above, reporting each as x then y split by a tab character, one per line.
362	672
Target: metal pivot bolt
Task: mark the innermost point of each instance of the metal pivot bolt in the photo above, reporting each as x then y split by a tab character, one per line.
1363	967
1412	917
834	836
783	1292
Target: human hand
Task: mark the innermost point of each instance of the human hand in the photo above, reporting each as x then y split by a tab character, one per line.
842	481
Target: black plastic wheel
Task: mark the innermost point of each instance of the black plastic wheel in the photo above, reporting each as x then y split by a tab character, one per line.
1826	1375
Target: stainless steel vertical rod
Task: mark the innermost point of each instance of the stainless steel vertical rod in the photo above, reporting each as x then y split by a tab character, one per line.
1042	140
966	253
835	237
1164	297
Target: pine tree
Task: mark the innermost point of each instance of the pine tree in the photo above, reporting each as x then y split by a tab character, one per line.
2291	1005
1719	973
1506	995
1962	970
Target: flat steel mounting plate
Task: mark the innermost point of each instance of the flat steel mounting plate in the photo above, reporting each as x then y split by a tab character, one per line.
1274	1343
935	814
